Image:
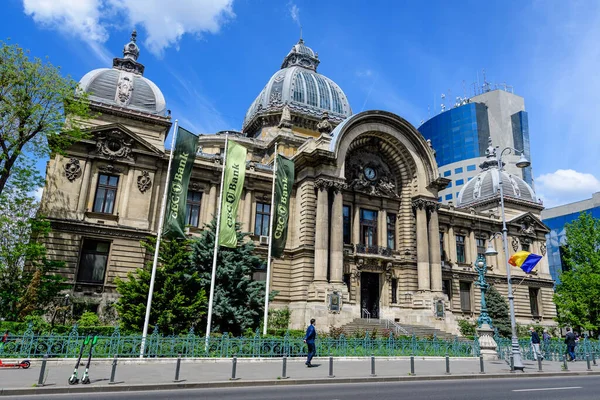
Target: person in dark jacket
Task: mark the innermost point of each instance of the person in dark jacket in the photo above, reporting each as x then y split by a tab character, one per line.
570	341
309	339
535	344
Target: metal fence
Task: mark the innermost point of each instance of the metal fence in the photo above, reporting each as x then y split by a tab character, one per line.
31	345
554	350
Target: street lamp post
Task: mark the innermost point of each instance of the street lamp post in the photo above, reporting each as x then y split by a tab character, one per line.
522	163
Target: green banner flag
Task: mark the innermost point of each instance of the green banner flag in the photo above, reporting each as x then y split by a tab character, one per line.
284	180
233	183
184	155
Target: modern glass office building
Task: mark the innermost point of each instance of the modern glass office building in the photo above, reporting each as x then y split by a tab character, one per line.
556	219
460	136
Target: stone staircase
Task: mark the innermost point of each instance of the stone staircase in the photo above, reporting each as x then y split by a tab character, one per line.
364	324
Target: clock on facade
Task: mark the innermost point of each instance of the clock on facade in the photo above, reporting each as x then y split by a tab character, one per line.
370	173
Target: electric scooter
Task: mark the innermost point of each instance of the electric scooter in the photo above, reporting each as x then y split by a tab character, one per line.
85	379
74	380
23	364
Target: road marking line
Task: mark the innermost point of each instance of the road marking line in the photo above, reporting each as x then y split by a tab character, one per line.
542	389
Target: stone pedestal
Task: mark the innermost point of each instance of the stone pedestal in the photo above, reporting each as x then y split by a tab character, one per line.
487	344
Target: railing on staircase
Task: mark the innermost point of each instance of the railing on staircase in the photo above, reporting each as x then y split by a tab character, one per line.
397	328
366	314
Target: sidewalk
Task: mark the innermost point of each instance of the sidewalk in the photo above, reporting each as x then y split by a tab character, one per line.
134	374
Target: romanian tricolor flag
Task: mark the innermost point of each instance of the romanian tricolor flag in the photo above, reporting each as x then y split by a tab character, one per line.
525	260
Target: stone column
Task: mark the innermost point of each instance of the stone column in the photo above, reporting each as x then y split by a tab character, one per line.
500	258
211	210
383	228
337	234
422	246
247	217
356	224
322	230
434	248
85	187
124	198
451	245
471	248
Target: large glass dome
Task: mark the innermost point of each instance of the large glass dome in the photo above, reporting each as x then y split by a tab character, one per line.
298	85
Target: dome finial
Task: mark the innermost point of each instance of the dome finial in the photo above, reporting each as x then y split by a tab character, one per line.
131	49
134	36
301	40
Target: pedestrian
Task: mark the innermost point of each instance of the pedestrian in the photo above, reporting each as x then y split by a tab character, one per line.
546	338
535	344
570	342
309	339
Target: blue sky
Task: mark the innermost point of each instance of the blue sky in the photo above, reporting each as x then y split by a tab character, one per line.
212	57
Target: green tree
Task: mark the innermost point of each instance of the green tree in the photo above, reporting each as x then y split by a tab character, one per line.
35	100
498	311
577	296
29	282
179	299
239	300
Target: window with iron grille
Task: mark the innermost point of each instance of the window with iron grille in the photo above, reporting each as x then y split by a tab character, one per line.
192	212
460	248
106	194
533	301
442	252
261	222
394	290
480	247
465	296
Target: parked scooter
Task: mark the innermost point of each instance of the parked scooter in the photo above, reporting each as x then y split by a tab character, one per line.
74	380
85	379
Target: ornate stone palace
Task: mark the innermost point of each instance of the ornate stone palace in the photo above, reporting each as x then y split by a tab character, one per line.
367	235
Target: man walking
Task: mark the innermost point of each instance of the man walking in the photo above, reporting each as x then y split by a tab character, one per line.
309	339
535	344
570	341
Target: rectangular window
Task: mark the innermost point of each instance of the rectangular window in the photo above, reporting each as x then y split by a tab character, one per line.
440	199
347	225
261	222
368	227
449	185
442	252
480	247
192	211
106	193
458	170
447	288
465	296
93	260
448	196
347	278
447	173
469	178
471	168
460	248
533	301
394	290
460	182
525	246
391	231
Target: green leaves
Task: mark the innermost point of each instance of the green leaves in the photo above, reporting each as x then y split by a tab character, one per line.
577	296
498	311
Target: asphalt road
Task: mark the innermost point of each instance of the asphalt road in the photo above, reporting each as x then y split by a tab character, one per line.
580	388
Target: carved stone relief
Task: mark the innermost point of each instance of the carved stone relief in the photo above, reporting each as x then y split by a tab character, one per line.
325	126
110	169
114	145
543	248
124	89
515	243
72	169
367	172
527	226
144	182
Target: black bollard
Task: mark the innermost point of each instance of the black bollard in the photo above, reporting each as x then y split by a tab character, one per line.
113	371
512	363
539	360
587	359
373	365
177	368
447	364
594	358
331	375
284	368
565	365
412	365
42	371
233	368
481	366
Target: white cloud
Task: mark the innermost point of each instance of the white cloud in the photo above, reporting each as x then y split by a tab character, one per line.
295	13
38	193
80	18
164	24
565	186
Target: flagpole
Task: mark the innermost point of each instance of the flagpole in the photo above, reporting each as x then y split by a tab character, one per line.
216	249
158	237
266	315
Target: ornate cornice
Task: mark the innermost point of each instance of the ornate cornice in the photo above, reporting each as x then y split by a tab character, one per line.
85	228
323	184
